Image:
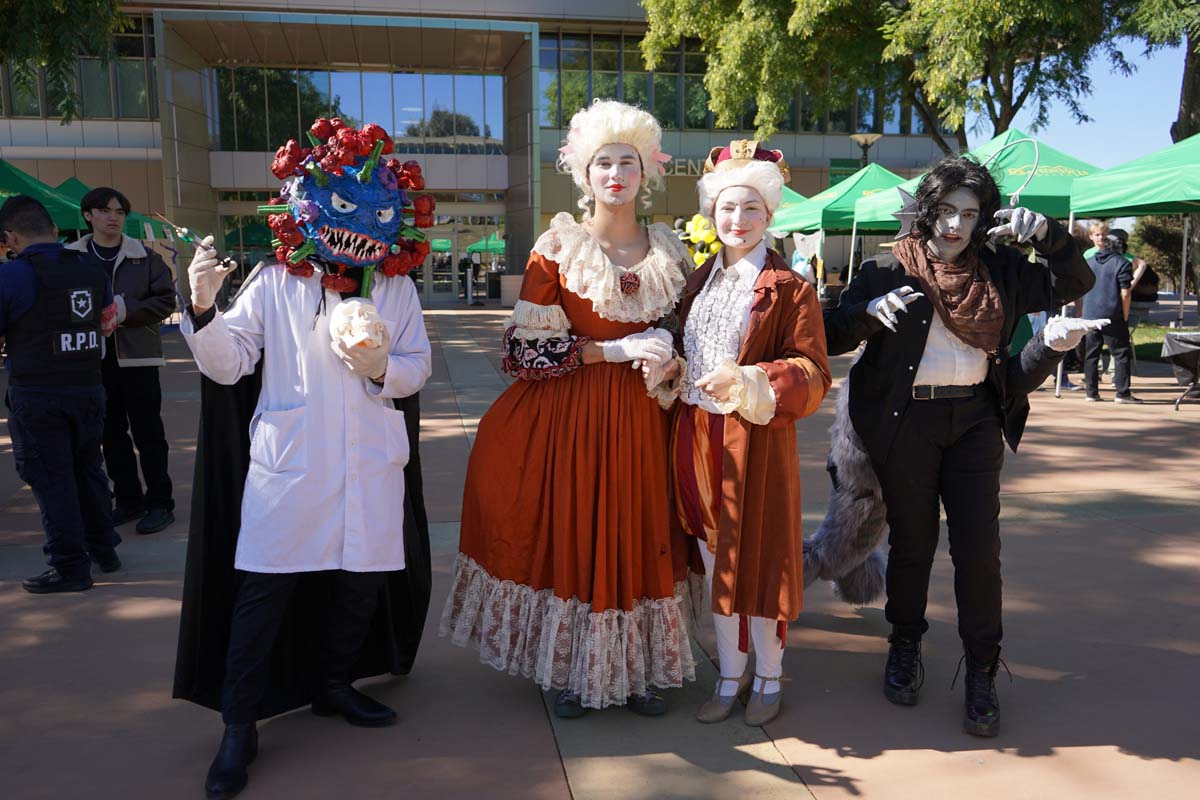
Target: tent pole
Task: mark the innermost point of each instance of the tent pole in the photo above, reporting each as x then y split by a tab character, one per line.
1058	372
853	242
1183	269
821	261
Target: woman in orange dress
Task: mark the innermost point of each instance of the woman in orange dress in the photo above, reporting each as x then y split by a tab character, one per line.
572	568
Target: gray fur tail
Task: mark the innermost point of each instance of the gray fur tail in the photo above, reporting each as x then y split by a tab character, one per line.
843	549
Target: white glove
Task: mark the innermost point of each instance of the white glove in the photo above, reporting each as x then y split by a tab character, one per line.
884	308
722	382
647	346
662	335
1064	333
362	360
1020	223
206	273
119	299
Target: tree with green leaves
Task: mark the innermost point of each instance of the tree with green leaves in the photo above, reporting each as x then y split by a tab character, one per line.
947	59
444	124
50	35
1169	23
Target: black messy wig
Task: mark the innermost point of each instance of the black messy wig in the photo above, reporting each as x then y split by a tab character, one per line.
951	173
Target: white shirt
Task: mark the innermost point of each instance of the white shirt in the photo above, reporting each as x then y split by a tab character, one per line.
717	322
325	488
948	360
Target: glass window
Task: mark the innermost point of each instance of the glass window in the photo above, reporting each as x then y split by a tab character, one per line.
130	46
407	108
865	121
574	59
574	93
918	124
695	63
345	92
548	86
152	91
892	117
25	97
283	117
468	113
377	98
55	98
695	102
548	55
666	100
493	112
437	120
839	120
631	53
313	86
810	119
575	41
132	99
788	123
606	54
250	109
226	114
604	85
636	88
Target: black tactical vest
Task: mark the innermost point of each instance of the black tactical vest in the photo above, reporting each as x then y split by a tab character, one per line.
57	342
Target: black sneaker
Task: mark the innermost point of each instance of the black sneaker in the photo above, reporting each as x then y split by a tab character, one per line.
649	704
982	717
156	519
52	581
904	672
107	562
1128	398
123	514
568	705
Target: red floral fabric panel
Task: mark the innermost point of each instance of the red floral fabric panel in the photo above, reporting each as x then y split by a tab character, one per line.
540	359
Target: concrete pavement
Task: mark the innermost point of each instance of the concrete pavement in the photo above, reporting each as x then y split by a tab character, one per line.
1102	586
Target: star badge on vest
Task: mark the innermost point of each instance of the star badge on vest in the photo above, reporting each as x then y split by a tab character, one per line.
81	304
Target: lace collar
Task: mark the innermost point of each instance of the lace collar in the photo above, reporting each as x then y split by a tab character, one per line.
644	292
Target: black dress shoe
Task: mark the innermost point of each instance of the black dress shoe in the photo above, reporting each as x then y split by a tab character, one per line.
904	673
107	562
649	704
982	704
342	699
568	705
123	514
155	520
227	773
52	581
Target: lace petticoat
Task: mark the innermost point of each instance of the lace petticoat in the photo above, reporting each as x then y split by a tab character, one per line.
604	656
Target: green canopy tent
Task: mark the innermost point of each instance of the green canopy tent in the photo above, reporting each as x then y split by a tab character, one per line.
440	245
493	245
135	224
1048	192
1164	182
790	198
832	210
64	213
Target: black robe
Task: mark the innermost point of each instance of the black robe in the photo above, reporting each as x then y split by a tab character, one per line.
211	583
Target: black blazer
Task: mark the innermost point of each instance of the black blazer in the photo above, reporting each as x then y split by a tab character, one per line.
881	381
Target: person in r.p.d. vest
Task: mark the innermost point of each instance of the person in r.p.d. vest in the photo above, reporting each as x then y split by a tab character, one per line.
55	310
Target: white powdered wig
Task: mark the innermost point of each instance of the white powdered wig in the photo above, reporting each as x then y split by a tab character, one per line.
612	122
762	176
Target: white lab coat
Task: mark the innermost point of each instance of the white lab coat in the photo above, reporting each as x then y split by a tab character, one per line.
325	489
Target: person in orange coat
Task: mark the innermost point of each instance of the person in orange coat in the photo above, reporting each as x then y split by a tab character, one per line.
754	361
571	569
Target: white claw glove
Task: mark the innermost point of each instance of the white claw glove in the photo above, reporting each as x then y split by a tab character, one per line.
362	360
884	308
119	299
1064	333
639	347
1020	223
205	274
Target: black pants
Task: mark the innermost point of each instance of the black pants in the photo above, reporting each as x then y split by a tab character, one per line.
1116	336
952	450
56	442
261	605
135	405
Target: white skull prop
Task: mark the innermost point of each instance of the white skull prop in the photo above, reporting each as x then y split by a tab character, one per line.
356	323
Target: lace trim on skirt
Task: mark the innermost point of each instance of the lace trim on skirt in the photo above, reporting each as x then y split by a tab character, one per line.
605	656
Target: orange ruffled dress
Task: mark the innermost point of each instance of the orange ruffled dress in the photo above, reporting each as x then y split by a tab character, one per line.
572	567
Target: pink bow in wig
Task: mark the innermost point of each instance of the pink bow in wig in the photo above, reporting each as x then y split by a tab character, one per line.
662	160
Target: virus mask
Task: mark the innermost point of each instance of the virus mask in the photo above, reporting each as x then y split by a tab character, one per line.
341	206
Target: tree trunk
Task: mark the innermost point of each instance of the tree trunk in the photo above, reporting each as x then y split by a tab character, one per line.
1188	124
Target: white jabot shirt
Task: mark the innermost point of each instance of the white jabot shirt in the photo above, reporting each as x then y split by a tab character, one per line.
948	360
325	488
717	323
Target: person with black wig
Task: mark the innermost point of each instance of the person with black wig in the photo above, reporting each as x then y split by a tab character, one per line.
934	395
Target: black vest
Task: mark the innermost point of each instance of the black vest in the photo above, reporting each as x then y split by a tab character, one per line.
57	342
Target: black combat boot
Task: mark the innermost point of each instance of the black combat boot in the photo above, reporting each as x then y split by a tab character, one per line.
983	706
337	698
904	673
227	774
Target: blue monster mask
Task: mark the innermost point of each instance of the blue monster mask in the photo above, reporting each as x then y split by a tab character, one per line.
356	222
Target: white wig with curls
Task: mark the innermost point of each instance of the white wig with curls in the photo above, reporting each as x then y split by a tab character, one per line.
762	176
612	122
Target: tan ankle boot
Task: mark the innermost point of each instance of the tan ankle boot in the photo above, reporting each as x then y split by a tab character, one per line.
760	712
718	708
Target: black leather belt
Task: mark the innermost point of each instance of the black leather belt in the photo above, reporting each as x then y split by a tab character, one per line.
943	392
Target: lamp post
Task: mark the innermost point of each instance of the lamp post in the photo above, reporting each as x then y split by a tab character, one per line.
865	140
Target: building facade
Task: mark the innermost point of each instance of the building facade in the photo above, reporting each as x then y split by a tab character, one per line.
186	120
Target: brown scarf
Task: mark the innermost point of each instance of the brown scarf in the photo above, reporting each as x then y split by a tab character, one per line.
963	293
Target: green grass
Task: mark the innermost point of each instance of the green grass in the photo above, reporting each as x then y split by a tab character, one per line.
1147	341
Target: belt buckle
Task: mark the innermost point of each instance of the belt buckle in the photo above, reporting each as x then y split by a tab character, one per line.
928	395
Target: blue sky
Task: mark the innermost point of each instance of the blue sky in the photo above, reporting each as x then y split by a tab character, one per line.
1131	115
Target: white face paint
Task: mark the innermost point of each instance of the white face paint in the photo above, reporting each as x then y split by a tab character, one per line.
741	217
615	174
958	214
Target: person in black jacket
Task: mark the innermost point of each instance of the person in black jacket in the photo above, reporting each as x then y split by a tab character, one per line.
934	396
144	291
